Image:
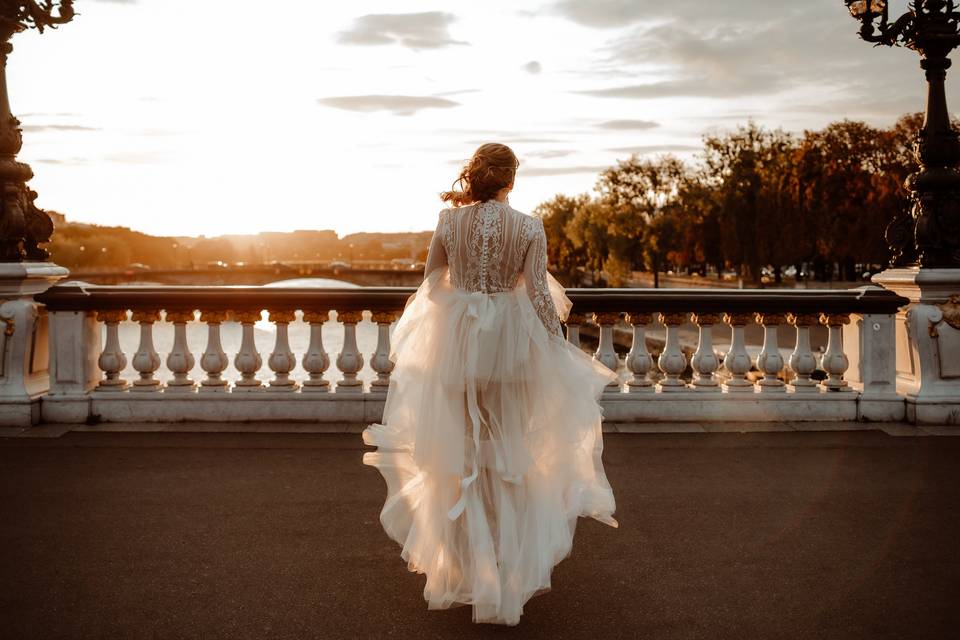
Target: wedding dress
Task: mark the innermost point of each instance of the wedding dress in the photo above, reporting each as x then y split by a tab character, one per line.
490	442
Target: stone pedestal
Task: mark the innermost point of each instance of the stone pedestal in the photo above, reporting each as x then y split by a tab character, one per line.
24	340
928	342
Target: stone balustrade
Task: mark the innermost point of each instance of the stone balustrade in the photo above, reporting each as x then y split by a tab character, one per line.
854	378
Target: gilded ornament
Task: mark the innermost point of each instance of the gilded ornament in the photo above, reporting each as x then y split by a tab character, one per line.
637	319
285	316
350	317
738	319
384	317
706	319
834	319
951	311
673	319
112	315
312	316
245	316
145	315
770	319
803	319
606	317
213	317
179	315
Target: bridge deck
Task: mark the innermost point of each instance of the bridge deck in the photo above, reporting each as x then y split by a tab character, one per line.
265	535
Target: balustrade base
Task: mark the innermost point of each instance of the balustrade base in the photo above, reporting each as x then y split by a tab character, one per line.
19	412
66	408
180	388
315	386
287	387
738	387
668	385
213	388
112	388
687	405
236	407
933	411
153	386
706	386
248	388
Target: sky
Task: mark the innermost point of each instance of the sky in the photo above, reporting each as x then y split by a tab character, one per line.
179	117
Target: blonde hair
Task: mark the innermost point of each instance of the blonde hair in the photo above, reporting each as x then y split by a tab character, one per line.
493	167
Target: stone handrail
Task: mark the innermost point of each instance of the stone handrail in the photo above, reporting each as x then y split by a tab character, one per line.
88	373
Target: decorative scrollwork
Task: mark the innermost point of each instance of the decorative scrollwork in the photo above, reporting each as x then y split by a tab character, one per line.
27	14
951	311
927	234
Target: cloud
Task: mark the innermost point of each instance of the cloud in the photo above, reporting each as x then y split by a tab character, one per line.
700	87
61	161
657	148
551	153
428	30
728	50
398	105
613	14
626	125
504	138
32	128
48	114
533	172
533	67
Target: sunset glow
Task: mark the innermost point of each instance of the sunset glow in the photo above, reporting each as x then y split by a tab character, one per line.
186	118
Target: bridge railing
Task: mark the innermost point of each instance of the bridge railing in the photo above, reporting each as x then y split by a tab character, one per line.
91	376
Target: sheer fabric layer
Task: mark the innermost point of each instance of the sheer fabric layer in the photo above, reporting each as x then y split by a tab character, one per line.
490	444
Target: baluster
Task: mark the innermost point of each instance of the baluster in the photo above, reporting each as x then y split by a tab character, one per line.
769	361
704	361
574	322
349	360
112	360
737	361
834	360
672	361
146	360
606	355
316	360
381	361
248	360
214	360
281	360
180	360
802	361
639	361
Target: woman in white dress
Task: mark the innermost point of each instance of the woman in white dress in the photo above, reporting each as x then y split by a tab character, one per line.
490	442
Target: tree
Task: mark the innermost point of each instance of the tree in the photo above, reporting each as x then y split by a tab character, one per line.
635	194
564	256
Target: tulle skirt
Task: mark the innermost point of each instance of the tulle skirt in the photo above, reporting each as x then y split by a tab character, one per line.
490	446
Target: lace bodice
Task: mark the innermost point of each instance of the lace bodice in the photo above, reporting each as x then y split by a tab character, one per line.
488	246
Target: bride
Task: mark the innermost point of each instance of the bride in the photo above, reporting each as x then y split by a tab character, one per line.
490	442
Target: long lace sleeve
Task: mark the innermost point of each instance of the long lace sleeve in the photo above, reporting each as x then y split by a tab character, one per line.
535	277
437	255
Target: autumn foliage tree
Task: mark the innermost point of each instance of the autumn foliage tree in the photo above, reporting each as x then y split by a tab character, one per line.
754	199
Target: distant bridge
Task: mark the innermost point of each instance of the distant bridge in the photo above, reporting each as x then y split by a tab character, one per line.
253	275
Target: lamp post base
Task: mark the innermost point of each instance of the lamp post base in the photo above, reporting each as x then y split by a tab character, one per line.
928	342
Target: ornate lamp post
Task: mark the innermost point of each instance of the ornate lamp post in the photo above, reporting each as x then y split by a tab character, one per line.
925	241
929	234
22	225
24	271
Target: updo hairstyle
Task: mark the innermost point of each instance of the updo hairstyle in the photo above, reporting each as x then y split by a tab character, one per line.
492	168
